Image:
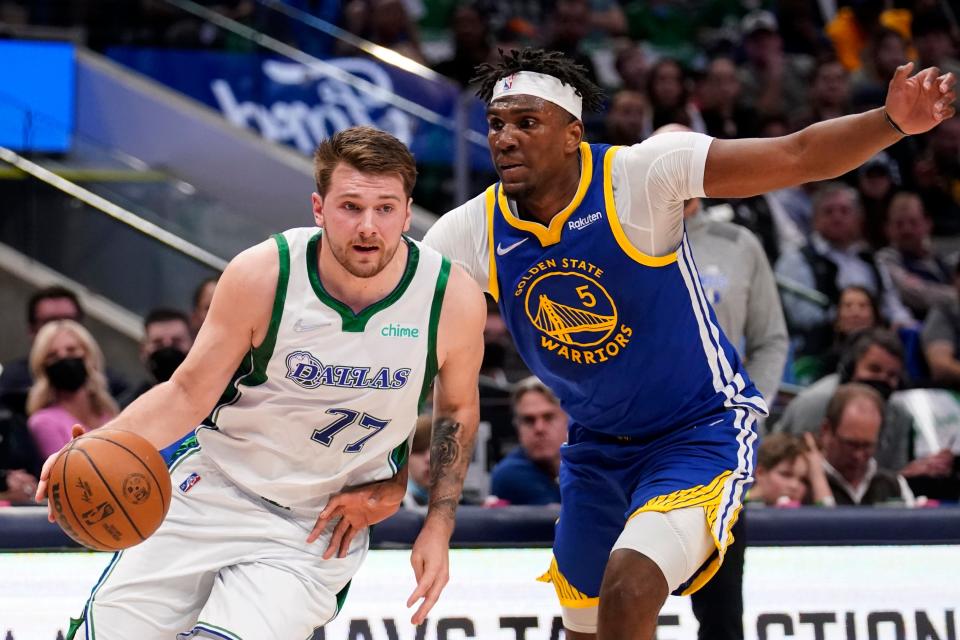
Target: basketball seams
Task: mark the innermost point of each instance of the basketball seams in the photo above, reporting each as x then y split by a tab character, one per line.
112	494
157	483
66	495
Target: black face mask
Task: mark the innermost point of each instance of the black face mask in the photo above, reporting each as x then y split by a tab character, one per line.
67	374
163	362
494	356
880	386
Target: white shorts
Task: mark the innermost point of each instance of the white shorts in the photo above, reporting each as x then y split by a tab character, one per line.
224	564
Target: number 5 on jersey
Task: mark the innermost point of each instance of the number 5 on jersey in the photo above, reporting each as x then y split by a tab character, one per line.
347	418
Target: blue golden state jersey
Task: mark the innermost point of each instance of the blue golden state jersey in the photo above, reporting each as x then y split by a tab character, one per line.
627	341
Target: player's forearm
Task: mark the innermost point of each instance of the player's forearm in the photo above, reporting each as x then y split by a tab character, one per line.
451	448
163	414
833	147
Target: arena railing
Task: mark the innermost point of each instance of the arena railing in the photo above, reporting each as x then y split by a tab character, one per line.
24	528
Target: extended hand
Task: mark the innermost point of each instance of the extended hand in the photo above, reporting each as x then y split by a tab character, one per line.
919	103
430	559
75	433
358	508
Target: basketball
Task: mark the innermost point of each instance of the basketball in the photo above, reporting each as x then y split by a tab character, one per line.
109	490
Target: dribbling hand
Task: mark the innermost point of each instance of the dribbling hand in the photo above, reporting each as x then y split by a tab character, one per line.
41	494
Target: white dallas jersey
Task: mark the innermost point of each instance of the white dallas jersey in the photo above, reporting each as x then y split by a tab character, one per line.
330	398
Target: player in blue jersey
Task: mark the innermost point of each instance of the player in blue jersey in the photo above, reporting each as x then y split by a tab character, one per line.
583	246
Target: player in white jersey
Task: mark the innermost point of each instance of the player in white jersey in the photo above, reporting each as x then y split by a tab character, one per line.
327	342
584	247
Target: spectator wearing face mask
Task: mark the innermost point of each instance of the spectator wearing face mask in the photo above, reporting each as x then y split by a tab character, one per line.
874	358
69	385
166	341
45	305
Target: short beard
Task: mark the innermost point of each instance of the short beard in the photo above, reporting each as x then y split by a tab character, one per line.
367	271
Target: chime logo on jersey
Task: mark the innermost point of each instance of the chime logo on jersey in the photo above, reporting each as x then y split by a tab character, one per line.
576	316
306	370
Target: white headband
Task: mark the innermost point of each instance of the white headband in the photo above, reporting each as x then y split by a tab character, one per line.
540	85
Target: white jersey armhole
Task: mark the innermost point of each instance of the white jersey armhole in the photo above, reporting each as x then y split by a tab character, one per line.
461	236
650	182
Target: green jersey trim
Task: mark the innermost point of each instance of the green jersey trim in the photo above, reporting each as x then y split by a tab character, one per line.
253	369
431	366
263	353
357	322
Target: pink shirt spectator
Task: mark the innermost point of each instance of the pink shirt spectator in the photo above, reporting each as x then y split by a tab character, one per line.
51	427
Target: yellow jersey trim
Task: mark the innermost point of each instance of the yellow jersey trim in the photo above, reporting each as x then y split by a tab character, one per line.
568	594
709	497
618	234
492	285
551	235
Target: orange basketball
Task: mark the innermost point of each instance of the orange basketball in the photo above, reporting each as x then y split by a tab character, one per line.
109	489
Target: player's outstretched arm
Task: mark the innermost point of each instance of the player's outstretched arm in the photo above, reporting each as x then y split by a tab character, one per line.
743	168
457	413
238	318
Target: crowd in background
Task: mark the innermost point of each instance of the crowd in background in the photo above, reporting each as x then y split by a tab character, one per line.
866	354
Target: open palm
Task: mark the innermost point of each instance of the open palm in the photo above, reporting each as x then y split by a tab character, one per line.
919	103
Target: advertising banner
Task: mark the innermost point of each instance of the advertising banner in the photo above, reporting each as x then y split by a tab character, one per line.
299	105
802	593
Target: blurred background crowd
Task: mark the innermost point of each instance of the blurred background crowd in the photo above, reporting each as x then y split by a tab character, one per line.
842	296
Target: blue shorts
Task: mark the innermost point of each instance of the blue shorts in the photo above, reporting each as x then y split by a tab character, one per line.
605	480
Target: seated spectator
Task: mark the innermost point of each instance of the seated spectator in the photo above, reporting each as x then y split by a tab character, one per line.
418	464
495	403
857	311
937	176
202	297
941	340
387	23
922	278
625	118
877	181
719	94
886	52
19	461
874	358
773	81
934	42
565	28
472	43
786	476
836	257
829	95
45	305
632	66
528	475
69	385
849	435
668	98
166	341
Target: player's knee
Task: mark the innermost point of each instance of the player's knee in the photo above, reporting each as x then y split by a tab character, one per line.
632	580
675	543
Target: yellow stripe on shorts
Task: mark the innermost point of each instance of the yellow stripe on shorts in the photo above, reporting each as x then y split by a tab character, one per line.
566	592
708	496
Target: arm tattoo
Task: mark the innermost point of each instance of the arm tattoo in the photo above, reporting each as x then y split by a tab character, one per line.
447	468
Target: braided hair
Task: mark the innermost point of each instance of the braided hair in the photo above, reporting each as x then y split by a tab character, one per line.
551	63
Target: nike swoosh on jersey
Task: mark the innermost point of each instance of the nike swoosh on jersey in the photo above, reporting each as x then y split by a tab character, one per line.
300	326
502	250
